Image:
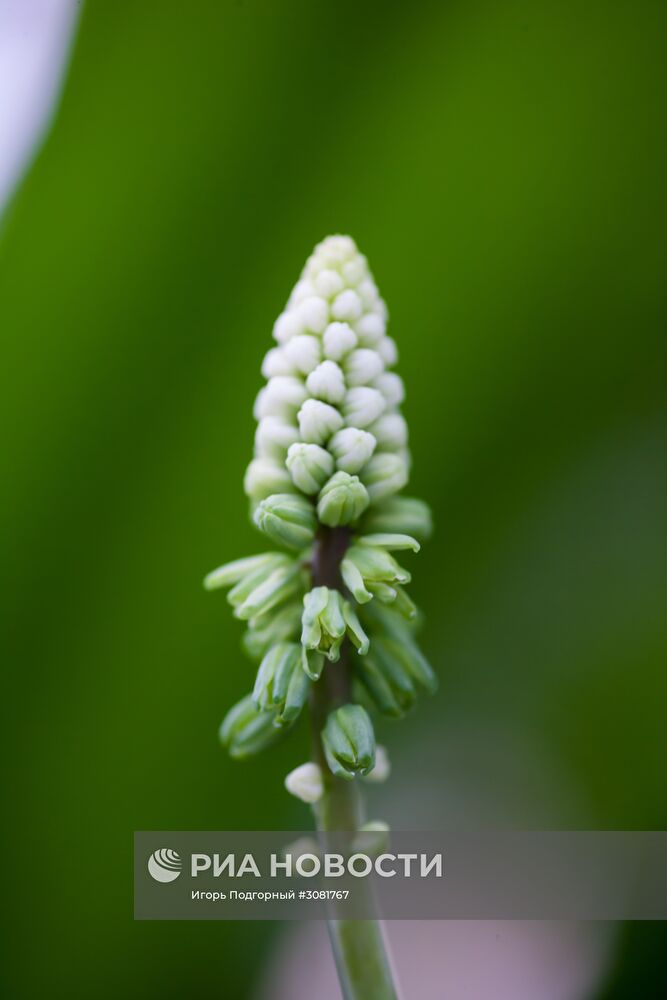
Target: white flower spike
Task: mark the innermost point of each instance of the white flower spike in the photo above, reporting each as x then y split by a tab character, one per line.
330	460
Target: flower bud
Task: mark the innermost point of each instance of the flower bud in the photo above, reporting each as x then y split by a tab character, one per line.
313	313
354	581
352	448
338	340
287	519
355	270
349	742
318	421
400	643
265	476
287	325
382	768
281	397
388	351
328	283
362	406
390	432
309	466
312	661
342	500
361	366
305	782
233	572
401	514
385	474
303	352
263	632
273	437
391	542
368	293
326	382
391	386
323	622
386	696
276	588
376	565
250	581
356	633
346	306
276	363
403	604
412	660
246	731
281	685
302	290
333	250
275	659
371	329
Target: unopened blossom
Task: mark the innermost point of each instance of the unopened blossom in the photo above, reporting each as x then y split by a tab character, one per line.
305	782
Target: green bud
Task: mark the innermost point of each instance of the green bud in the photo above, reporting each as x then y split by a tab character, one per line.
342	500
385	474
281	584
369	571
309	466
323	622
312	663
275	662
413	661
399	642
349	742
296	695
404	604
287	519
377	687
246	731
389	541
356	633
238	594
265	476
354	581
233	572
277	626
387	680
281	686
396	670
405	515
382	591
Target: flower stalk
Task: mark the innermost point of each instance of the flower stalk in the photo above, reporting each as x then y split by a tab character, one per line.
329	622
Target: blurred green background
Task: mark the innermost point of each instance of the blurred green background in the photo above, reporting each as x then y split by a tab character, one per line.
503	167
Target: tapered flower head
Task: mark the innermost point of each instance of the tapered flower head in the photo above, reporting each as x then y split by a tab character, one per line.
330	459
330	384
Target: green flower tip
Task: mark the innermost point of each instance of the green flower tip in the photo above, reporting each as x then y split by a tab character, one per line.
245	731
281	685
349	742
342	500
327	619
287	519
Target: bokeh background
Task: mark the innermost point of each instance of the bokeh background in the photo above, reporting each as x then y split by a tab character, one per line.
503	167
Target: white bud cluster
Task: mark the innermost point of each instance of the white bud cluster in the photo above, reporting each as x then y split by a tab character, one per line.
331	403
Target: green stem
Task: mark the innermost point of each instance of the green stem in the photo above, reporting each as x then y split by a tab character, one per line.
359	947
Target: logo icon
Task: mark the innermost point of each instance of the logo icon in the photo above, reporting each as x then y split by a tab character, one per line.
165	865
